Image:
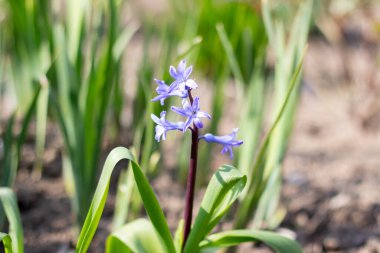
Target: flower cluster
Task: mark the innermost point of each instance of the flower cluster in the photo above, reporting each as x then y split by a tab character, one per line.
181	87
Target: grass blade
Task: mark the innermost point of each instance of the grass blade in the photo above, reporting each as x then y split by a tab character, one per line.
257	185
222	191
277	242
7	242
9	203
9	158
138	236
41	121
149	199
230	54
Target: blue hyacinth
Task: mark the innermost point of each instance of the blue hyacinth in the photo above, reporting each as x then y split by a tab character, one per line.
228	141
181	87
192	112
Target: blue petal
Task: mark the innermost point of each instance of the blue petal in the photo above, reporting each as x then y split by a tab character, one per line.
190	83
231	153
187	124
224	150
173	72
203	115
155	119
181	67
159	132
160	97
162	115
198	123
187	72
186	106
180	111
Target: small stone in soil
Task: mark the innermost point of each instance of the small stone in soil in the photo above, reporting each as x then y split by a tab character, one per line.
331	244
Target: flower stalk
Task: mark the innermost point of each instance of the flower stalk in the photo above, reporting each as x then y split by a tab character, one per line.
190	187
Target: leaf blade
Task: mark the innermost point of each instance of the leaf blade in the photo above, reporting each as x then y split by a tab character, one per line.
222	191
234	237
7	242
8	200
149	199
138	236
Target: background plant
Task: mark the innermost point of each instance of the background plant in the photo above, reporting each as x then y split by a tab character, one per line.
88	45
264	186
11	147
14	242
74	59
25	54
129	204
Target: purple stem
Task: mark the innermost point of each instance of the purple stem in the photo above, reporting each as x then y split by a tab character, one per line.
188	214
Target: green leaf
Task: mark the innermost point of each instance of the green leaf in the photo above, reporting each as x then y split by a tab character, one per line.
122	41
277	242
178	237
228	47
7	242
151	204
222	191
138	236
28	117
9	158
8	200
259	177
41	124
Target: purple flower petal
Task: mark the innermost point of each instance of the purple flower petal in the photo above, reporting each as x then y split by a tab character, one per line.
163	126
187	124
173	72
181	76
164	91
180	111
191	112
203	115
187	106
190	83
188	72
198	122
228	141
155	119
181	66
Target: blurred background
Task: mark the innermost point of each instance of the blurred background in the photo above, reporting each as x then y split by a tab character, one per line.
76	80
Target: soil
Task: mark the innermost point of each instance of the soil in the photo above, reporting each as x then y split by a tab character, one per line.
331	171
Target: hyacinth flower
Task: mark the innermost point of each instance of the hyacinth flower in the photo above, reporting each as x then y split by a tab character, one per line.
181	76
163	126
164	91
228	141
182	87
192	112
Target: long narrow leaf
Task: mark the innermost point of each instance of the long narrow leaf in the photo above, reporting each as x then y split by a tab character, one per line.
26	121
9	158
152	207
7	242
277	242
230	53
138	236
41	120
149	199
8	200
257	185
